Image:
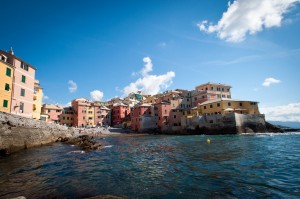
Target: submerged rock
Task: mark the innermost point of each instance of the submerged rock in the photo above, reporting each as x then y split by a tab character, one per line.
85	142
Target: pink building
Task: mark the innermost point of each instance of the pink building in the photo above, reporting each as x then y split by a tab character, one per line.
141	117
102	115
120	113
81	107
23	85
162	111
53	112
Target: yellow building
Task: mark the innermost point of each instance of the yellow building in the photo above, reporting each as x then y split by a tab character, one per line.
225	106
90	115
6	80
37	100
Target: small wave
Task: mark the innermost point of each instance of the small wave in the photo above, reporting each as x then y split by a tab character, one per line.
78	151
108	146
271	134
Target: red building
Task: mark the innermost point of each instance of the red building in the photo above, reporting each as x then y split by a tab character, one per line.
120	114
162	111
139	113
81	107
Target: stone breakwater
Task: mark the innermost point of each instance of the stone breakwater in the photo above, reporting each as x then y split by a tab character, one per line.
17	133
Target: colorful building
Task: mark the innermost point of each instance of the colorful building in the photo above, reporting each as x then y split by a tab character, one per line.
83	113
120	114
53	112
162	111
210	91
6	83
102	115
67	117
23	85
142	117
225	106
37	100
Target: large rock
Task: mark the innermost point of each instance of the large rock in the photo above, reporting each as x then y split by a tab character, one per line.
17	133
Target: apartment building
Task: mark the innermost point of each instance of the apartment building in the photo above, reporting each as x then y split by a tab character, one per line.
37	100
23	85
53	112
6	83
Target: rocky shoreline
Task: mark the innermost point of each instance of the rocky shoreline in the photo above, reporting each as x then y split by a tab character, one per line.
18	133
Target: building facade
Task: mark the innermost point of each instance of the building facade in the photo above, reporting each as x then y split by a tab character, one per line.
102	115
53	112
6	84
37	100
67	117
23	85
120	113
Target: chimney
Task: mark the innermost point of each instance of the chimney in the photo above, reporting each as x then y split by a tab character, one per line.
11	51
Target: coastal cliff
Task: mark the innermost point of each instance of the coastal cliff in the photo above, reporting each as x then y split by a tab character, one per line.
17	133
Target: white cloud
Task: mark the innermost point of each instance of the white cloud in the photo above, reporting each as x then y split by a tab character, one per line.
269	81
64	105
248	17
149	84
148	66
285	113
45	97
72	86
96	95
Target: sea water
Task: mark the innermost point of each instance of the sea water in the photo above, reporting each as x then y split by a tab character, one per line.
229	166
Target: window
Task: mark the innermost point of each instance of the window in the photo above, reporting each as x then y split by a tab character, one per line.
166	111
8	72
49	110
22	92
83	118
98	117
21	107
210	106
24	66
68	118
5	103
7	87
229	103
204	107
57	111
211	88
223	89
174	116
23	79
241	104
195	98
218	104
63	118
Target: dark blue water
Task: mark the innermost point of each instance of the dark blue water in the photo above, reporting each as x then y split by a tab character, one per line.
233	166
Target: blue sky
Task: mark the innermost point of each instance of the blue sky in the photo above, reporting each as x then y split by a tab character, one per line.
100	46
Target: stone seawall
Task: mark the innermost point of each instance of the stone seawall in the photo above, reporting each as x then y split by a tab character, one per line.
17	133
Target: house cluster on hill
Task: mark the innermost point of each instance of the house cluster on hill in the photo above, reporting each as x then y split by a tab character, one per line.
209	105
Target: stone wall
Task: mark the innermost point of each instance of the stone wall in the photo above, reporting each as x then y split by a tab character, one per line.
17	133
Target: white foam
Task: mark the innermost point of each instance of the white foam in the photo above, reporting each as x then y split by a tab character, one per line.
108	146
77	151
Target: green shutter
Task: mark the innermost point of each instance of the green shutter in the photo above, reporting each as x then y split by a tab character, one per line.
22	92
7	87
8	72
23	79
5	103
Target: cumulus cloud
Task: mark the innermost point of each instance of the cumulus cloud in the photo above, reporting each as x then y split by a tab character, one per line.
269	81
285	113
72	86
248	17
45	97
96	95
147	67
149	84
